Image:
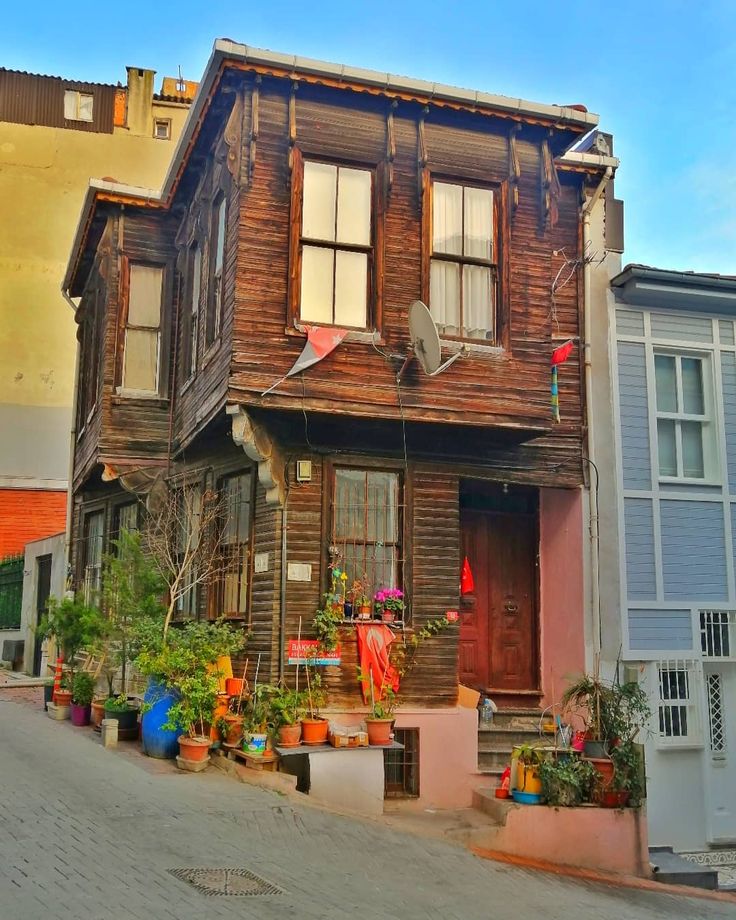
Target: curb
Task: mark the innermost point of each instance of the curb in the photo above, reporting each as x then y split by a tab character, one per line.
605	878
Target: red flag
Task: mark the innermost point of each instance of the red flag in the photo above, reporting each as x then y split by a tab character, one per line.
467	583
321	340
373	654
561	354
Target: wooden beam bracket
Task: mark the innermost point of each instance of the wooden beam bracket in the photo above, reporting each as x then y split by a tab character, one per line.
260	447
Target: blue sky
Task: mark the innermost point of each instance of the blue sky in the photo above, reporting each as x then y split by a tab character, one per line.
660	74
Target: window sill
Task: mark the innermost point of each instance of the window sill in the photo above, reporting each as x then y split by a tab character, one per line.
476	348
688	481
665	748
354	335
141	399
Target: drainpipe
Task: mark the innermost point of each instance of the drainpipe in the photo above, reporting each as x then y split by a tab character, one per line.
72	444
595	596
282	599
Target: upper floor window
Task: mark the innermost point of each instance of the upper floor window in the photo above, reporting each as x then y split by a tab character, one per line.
367	527
685	432
94	536
217	262
91	351
142	347
190	314
162	128
235	492
78	106
463	272
336	245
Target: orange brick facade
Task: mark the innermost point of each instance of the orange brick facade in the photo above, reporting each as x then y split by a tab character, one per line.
29	514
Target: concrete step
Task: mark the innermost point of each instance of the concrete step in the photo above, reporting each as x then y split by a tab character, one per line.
494	760
672	869
517	718
509	736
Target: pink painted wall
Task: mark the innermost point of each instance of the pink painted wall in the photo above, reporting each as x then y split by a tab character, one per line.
562	611
448	752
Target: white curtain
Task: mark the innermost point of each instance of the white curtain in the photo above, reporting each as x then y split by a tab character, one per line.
477	302
444	296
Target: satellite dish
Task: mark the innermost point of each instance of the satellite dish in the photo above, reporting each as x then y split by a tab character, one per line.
425	342
425	339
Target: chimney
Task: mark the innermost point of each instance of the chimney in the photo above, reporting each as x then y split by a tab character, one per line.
140	100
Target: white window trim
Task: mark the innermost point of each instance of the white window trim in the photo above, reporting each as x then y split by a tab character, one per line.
710	433
78	100
154	393
694	701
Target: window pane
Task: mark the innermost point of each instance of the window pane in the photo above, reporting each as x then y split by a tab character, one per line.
236	497
351	288
354	207
444	296
692	386
666	382
316	293
85	107
383	489
70	105
349	511
128	517
144	297
196	256
479	223
447	218
667	448
140	365
318	208
692	449
220	251
477	302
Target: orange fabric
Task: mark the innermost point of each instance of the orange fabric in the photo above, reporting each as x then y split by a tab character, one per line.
29	514
374	641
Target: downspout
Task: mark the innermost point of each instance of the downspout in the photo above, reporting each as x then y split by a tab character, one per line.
72	445
595	595
282	593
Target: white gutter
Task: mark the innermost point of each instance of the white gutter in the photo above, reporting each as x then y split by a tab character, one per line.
595	595
72	445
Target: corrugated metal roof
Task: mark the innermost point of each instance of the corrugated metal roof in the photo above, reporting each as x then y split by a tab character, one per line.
34	99
47	76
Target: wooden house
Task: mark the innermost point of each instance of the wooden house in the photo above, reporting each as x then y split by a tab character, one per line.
309	194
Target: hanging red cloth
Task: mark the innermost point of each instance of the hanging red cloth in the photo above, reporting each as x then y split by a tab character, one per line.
467	582
374	641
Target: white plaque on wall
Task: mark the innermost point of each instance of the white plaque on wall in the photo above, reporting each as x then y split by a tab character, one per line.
261	562
299	571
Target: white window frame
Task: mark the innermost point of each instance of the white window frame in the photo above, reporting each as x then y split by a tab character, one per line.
73	103
715	703
717	628
337	246
706	420
166	122
666	705
124	390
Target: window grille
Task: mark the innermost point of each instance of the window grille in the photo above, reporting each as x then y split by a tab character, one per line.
677	707
188	519
716	715
716	633
401	768
94	537
236	500
367	525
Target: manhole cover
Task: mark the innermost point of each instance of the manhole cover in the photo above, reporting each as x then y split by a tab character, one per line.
236	882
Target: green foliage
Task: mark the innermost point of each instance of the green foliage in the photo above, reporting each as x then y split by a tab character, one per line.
386	707
287	706
185	661
566	781
132	594
118	704
612	711
316	692
628	770
83	688
530	754
258	711
404	655
326	624
74	625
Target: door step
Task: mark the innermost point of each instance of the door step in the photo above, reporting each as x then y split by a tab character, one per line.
509	728
672	869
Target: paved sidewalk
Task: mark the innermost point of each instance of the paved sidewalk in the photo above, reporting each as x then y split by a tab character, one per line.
90	834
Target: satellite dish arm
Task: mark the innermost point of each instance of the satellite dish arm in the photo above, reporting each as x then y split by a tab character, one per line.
451	360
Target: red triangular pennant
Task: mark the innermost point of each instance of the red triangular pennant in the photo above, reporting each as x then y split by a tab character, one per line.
467	583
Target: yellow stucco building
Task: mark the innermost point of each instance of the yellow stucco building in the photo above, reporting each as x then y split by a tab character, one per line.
56	134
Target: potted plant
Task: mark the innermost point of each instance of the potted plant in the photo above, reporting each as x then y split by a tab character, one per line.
591	699
627	786
566	780
389	604
230	727
257	724
125	712
59	711
287	709
528	784
83	689
314	727
74	625
381	720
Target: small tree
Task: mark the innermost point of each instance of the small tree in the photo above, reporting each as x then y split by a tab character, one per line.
74	625
132	590
183	537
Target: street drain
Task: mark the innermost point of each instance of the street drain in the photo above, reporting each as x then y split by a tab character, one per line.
234	882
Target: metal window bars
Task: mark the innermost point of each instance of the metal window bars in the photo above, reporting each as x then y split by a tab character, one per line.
717	633
678	702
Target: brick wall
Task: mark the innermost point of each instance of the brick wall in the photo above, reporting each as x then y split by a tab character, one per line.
29	514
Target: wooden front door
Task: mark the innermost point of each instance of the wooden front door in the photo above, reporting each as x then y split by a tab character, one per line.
498	630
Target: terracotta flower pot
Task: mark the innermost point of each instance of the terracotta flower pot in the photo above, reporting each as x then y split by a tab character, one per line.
97	713
387	616
379	731
234	686
234	731
290	735
194	749
63	697
604	776
314	731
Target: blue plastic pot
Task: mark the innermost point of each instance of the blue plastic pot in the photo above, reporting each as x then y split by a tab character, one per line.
156	740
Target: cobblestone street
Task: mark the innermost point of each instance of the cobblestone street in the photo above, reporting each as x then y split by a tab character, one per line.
89	833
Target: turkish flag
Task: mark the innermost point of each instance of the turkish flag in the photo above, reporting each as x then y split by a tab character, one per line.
374	640
321	340
561	354
467	583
